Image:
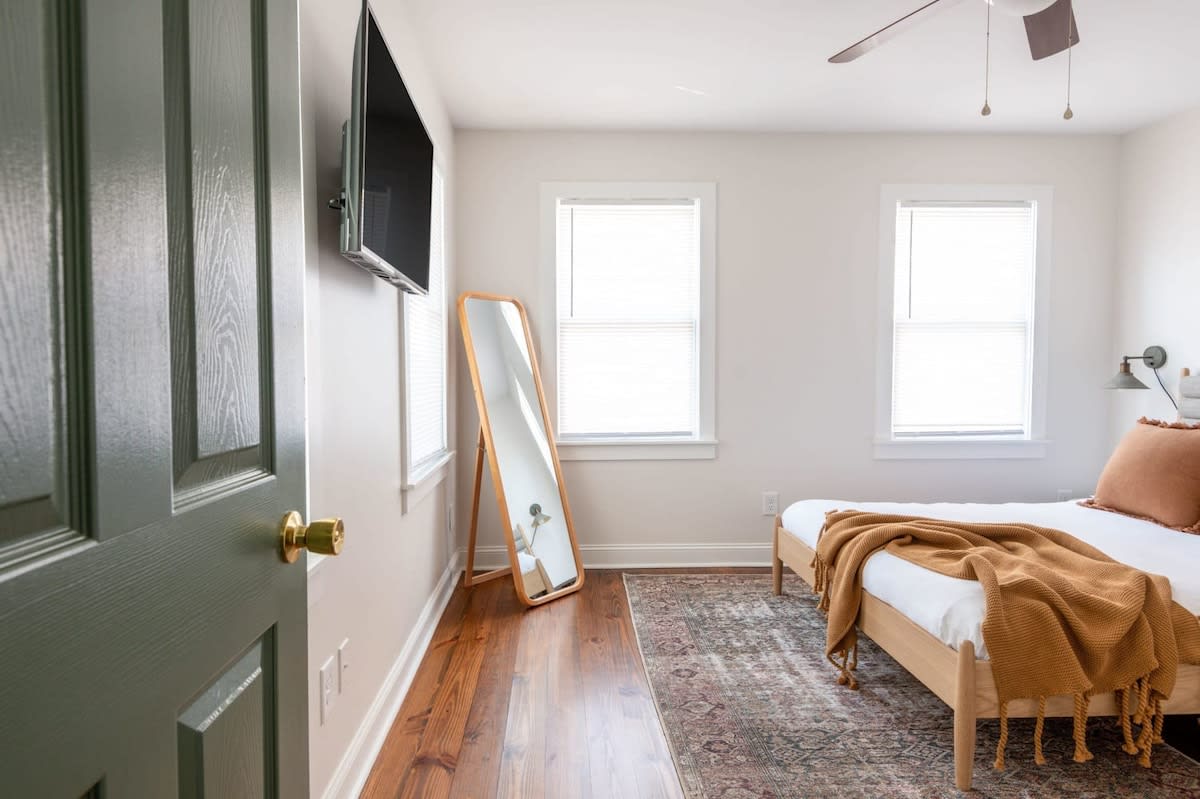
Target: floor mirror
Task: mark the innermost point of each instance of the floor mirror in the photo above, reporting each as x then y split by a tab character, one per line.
517	441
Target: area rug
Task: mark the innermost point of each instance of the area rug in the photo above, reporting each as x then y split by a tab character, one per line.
750	709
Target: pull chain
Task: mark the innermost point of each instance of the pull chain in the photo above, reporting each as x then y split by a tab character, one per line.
987	64
1068	114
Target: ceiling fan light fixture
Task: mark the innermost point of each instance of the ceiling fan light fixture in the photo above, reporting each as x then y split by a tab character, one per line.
986	111
1069	114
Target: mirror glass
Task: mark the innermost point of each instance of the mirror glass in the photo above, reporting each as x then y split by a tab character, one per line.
521	453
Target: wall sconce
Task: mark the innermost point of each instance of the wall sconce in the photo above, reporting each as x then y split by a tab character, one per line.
1154	357
539	518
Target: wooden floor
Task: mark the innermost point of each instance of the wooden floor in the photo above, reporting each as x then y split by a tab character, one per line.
546	702
550	701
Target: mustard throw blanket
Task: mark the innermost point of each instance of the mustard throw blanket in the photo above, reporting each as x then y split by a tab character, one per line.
1062	617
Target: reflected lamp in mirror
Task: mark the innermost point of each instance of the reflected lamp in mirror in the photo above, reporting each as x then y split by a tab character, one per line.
539	518
1154	357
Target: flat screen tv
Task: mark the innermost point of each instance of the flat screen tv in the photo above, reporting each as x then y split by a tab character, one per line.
387	169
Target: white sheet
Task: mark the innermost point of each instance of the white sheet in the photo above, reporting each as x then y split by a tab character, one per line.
953	609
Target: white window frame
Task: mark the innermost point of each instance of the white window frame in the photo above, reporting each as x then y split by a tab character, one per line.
419	479
1034	444
704	445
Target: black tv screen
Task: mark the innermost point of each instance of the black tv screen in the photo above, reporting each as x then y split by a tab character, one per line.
389	172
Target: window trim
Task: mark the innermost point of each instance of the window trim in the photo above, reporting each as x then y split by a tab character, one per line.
701	446
1034	444
419	479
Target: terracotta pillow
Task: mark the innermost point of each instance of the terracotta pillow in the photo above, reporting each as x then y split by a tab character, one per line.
1154	474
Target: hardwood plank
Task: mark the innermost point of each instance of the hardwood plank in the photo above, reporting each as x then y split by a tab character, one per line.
478	769
610	775
626	744
436	759
655	769
567	761
522	765
399	749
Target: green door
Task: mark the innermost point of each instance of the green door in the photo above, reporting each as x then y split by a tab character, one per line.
152	641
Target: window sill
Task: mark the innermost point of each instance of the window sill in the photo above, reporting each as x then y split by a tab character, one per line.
637	449
426	479
960	449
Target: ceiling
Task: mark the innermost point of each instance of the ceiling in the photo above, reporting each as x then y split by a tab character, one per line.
760	65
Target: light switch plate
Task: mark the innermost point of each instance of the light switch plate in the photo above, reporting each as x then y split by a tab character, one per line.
327	683
343	660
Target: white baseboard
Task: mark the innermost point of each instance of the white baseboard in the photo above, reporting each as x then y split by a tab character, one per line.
352	771
649	556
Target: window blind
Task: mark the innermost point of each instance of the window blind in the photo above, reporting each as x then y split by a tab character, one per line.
425	348
628	300
962	343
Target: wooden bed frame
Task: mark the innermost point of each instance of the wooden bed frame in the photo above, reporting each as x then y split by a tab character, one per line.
955	676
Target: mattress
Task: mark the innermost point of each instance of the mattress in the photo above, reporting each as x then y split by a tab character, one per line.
952	609
528	562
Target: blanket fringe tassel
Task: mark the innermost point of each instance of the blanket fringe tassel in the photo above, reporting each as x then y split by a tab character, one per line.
1038	757
1003	744
849	662
1082	755
1138	704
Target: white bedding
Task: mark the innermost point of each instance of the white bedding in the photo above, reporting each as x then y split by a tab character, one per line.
953	609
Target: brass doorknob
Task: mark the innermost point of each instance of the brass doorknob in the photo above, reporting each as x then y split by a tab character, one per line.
324	536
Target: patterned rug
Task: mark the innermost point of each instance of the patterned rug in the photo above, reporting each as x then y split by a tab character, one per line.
751	709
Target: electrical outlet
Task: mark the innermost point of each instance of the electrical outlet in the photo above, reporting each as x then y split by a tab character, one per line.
770	503
1064	494
343	662
327	681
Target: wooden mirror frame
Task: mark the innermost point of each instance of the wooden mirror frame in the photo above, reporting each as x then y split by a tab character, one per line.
486	444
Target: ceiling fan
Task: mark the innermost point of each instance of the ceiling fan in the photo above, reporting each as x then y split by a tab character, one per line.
1047	23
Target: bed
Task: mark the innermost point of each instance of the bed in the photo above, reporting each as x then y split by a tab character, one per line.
931	624
533	572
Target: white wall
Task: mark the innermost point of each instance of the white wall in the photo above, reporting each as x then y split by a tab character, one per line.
796	273
375	591
1157	299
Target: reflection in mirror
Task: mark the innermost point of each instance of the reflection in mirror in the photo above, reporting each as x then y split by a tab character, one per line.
520	450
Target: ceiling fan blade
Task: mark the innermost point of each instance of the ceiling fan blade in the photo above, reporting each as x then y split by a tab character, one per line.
884	34
1047	30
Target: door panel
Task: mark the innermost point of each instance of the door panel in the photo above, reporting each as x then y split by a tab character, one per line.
37	502
223	127
225	736
29	297
160	645
215	202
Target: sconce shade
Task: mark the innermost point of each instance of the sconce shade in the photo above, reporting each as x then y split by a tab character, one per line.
1125	379
539	518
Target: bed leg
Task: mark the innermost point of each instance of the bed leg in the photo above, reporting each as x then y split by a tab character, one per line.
964	717
776	563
